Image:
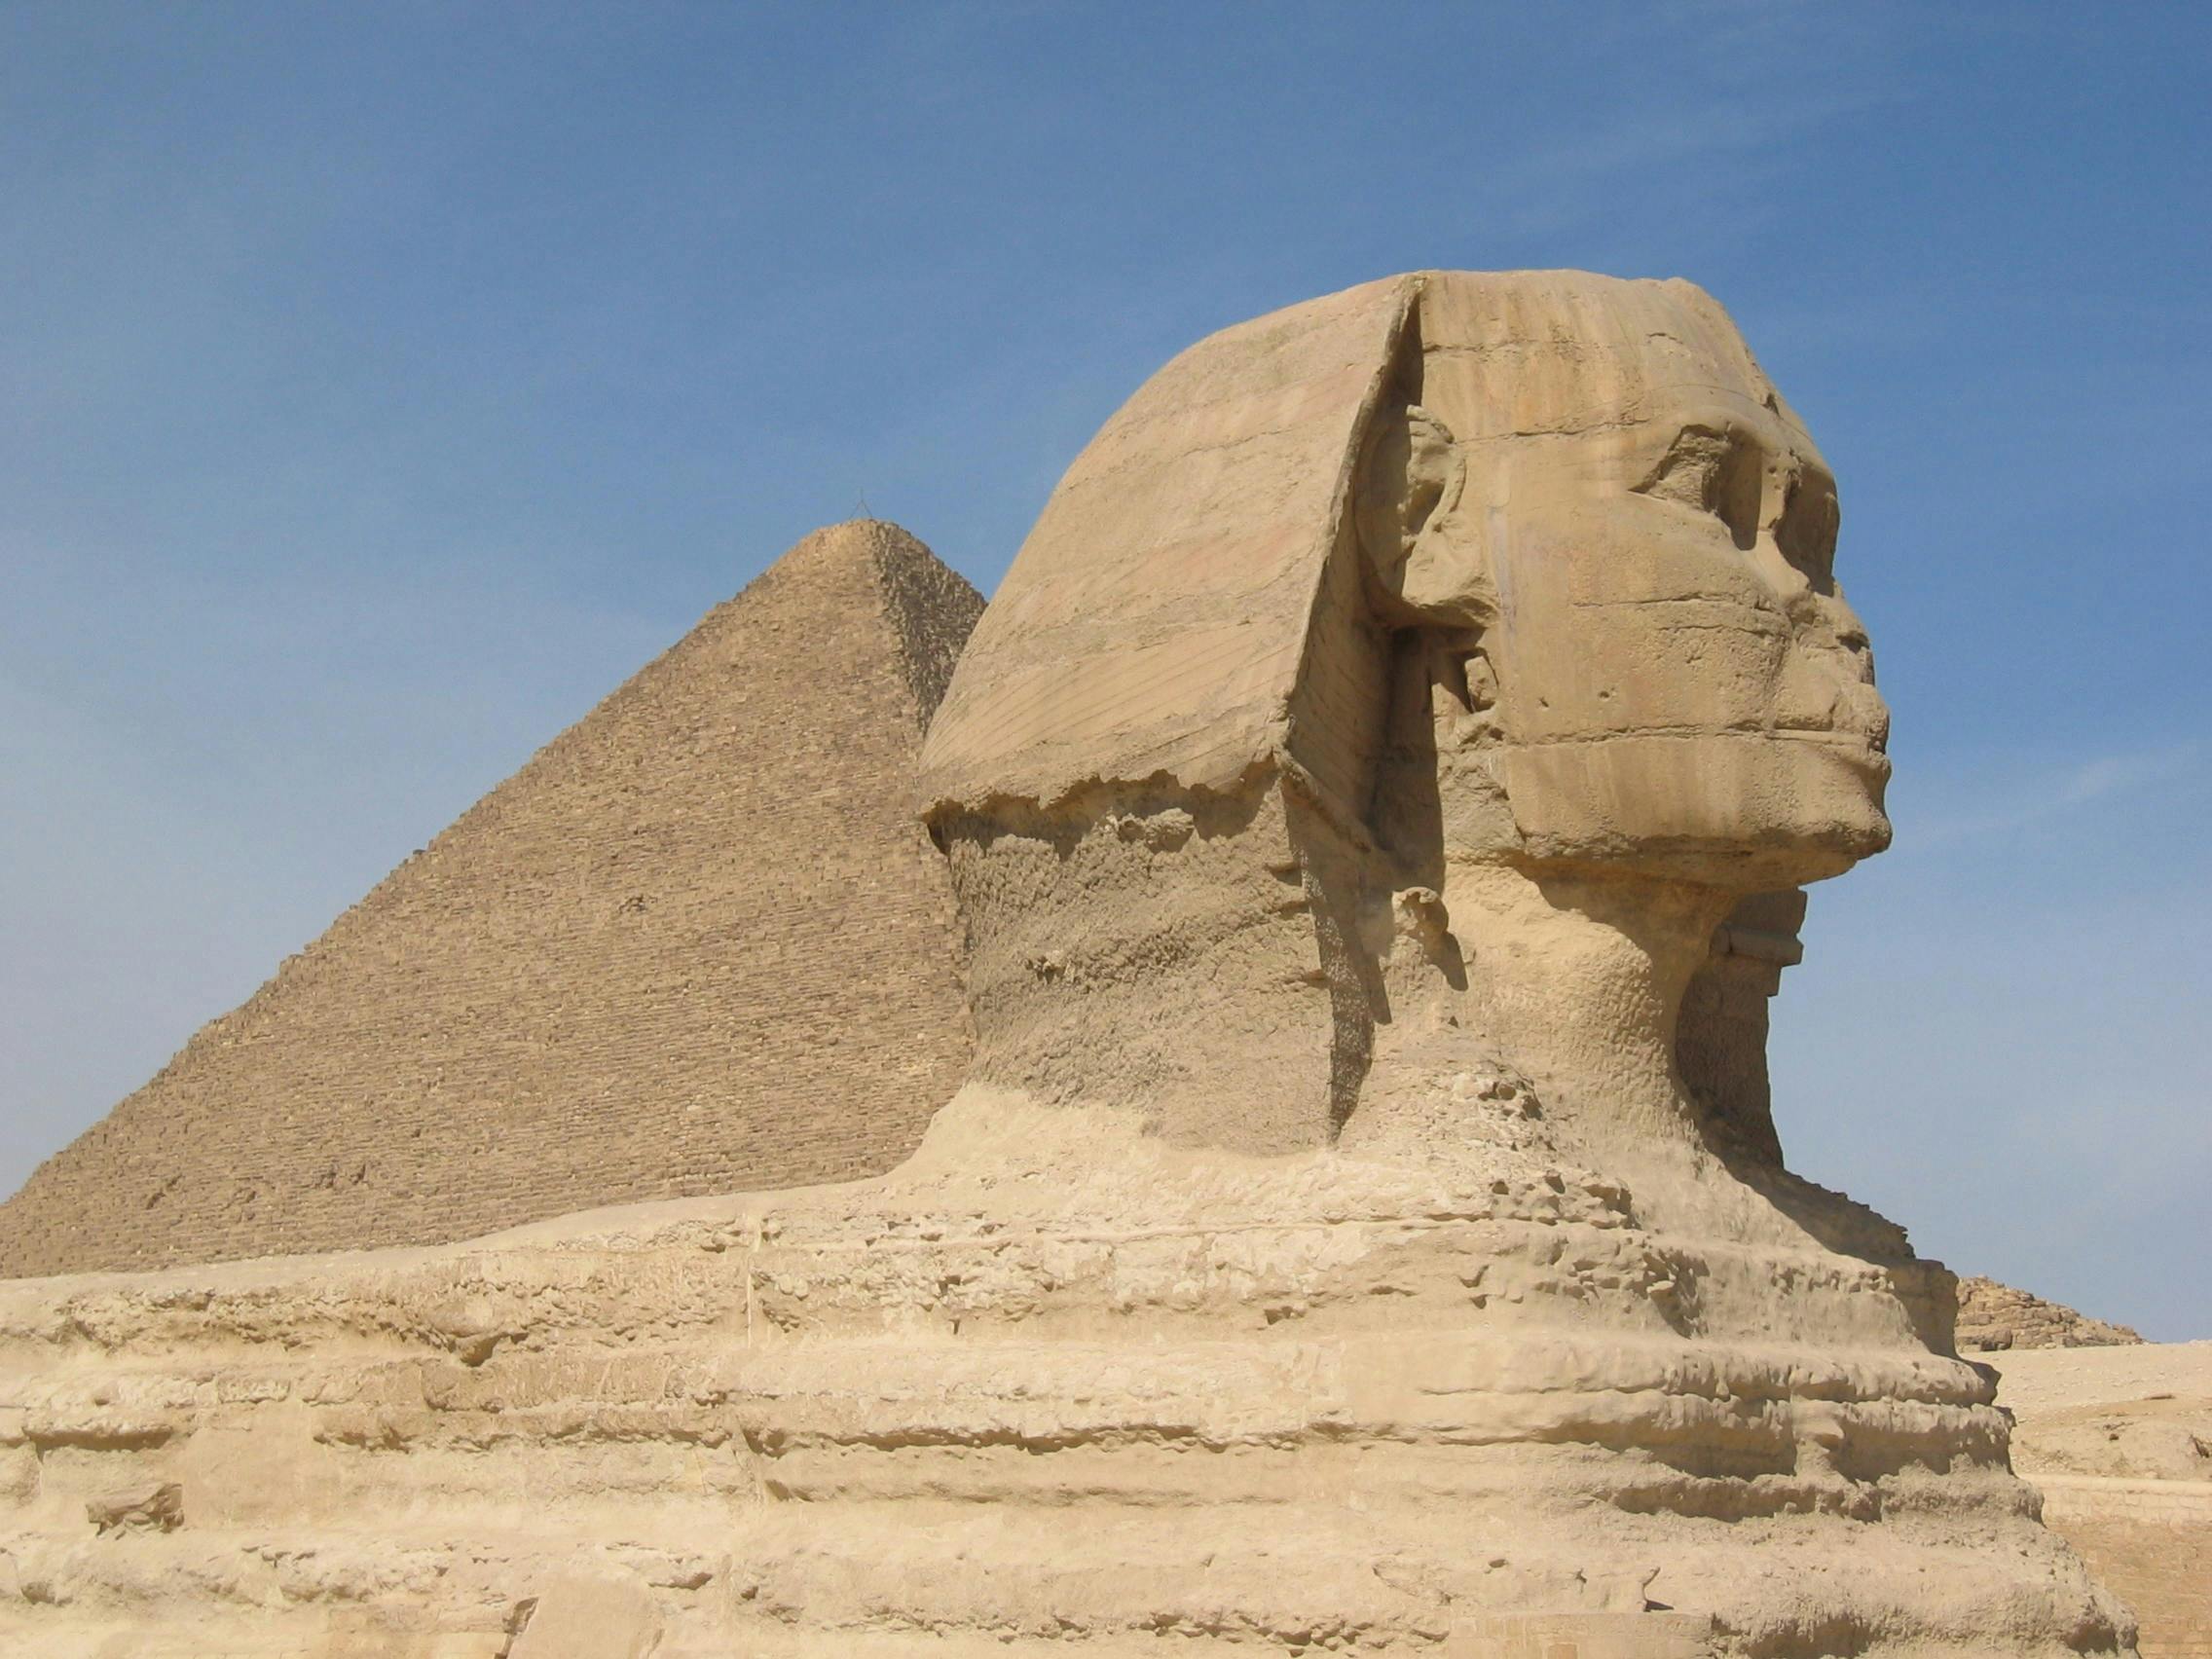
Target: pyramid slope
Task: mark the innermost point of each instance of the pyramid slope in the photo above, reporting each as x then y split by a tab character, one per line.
698	944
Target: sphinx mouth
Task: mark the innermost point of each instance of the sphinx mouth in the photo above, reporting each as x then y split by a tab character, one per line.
1867	751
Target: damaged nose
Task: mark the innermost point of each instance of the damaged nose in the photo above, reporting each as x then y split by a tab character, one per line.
1859	709
1878	728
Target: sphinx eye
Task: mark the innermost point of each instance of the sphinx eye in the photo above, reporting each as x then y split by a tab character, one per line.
1711	470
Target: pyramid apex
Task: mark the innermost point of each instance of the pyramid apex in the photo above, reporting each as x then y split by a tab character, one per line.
860	533
854	545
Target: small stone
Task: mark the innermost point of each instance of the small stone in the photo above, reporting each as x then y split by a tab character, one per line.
152	1506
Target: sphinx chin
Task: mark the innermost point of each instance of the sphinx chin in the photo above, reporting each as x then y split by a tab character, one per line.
1837	789
1741	811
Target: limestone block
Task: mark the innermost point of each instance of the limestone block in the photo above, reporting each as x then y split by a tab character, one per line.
248	1463
19	1474
589	1618
1585	1636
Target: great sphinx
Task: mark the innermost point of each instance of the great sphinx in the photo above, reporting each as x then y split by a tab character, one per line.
1376	802
1376	799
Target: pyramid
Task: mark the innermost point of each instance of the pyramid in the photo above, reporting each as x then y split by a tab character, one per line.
698	944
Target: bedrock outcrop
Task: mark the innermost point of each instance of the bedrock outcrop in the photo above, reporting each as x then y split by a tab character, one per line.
1098	1395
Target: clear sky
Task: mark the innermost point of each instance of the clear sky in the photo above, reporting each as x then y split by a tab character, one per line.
381	384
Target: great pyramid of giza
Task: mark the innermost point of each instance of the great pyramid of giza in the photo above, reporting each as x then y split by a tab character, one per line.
698	944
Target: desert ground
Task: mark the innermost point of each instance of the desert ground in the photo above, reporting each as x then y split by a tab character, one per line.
2120	1441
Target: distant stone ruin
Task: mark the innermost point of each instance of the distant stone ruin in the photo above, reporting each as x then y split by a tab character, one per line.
697	944
1994	1317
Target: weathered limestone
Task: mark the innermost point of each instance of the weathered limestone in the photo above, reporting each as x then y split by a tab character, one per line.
696	943
1375	806
1095	1394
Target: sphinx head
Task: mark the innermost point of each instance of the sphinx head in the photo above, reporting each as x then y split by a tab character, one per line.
1619	542
1435	586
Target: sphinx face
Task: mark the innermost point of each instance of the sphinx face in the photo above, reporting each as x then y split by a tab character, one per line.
1602	488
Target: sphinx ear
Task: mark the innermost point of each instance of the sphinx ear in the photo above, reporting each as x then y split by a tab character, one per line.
1428	559
1410	472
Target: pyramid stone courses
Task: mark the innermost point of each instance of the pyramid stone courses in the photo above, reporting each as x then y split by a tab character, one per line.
698	944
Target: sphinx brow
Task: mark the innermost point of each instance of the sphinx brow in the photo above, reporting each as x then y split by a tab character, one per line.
1625	411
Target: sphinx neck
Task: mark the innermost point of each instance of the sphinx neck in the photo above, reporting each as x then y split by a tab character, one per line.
1579	980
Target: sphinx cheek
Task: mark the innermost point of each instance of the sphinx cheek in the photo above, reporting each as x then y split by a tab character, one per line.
1602	635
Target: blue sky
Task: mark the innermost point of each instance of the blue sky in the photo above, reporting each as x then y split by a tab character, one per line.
379	385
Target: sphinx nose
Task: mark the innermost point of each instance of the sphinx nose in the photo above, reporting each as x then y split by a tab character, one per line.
1825	688
1825	619
1869	715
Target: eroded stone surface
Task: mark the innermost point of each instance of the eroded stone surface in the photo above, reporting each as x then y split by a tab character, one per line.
1100	1395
